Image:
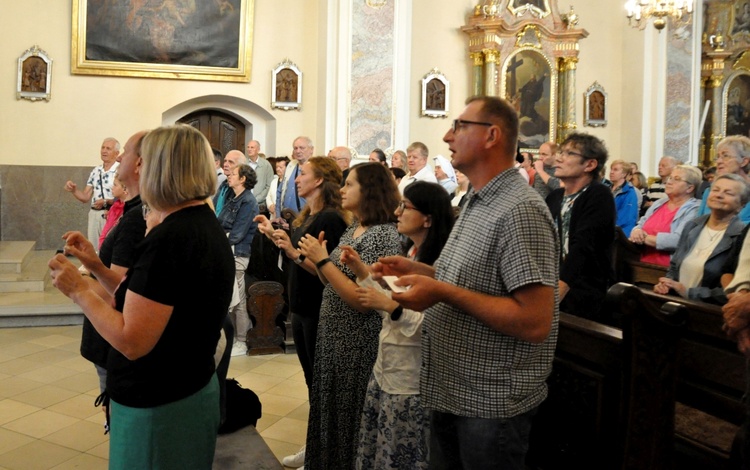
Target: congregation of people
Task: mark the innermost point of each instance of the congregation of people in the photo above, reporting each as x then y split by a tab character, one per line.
423	293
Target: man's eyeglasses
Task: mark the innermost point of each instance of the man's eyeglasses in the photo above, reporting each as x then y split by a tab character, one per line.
568	153
463	122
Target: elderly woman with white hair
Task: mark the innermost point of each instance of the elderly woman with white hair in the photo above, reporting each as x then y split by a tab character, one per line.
732	157
445	174
706	244
660	229
167	314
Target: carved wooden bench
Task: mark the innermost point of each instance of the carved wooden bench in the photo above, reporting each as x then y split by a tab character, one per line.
611	391
711	383
264	304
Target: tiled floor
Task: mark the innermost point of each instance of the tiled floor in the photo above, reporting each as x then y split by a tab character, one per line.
47	391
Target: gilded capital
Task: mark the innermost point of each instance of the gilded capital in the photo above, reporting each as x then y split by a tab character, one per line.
714	81
477	58
491	56
568	63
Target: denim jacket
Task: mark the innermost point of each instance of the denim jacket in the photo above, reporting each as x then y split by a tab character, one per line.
236	218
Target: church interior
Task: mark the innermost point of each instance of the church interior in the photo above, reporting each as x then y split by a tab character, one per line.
364	74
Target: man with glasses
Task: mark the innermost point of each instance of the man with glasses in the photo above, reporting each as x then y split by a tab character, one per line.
286	193
117	253
657	188
416	162
545	181
584	211
491	315
343	157
233	159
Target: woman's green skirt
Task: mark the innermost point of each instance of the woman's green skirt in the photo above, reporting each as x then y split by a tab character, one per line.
179	435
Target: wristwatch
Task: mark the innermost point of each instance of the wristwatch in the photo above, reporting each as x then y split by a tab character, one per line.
299	260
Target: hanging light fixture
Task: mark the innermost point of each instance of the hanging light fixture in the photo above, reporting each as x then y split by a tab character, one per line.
640	11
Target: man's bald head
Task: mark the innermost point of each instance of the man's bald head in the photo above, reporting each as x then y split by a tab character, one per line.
233	159
342	155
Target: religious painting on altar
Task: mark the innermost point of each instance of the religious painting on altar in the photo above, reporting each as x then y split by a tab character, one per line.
184	39
737	105
528	84
741	18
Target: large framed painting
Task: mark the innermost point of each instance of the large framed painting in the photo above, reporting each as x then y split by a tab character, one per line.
179	39
528	83
736	109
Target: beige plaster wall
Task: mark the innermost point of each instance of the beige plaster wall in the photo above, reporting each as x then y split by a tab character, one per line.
69	129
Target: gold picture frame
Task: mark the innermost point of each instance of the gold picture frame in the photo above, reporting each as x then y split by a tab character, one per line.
34	75
529	83
198	41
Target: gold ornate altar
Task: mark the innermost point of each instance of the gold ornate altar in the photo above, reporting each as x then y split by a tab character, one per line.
725	73
526	52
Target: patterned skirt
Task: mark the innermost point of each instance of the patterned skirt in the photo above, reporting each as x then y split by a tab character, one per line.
394	433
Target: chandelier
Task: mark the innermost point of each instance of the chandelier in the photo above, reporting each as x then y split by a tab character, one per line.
640	11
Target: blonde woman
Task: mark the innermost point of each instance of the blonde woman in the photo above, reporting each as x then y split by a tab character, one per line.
167	314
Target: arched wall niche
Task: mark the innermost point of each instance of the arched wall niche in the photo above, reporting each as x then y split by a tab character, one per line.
260	124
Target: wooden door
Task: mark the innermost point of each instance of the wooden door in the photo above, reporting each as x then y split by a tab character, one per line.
223	131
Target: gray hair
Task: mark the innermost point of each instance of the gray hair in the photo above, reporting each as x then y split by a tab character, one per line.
693	176
112	139
744	188
740	144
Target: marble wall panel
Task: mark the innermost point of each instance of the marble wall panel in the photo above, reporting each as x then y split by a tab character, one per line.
372	67
677	124
35	206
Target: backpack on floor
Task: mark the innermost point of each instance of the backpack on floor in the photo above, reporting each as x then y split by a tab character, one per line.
243	407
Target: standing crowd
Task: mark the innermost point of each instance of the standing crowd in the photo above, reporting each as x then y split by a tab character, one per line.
425	338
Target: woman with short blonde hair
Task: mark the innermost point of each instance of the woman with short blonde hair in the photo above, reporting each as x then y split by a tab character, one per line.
165	321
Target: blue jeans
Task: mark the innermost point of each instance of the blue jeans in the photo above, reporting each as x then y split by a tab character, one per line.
458	442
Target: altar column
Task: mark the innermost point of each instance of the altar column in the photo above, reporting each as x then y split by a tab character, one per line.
477	73
567	123
491	57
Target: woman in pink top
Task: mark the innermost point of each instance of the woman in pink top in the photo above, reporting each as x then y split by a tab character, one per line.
659	230
114	214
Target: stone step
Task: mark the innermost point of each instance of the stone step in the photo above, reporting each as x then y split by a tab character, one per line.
32	278
47	307
14	256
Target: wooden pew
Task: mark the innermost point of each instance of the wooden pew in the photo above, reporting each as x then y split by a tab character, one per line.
611	392
627	264
711	382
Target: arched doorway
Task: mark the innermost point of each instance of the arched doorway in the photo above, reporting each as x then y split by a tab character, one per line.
223	131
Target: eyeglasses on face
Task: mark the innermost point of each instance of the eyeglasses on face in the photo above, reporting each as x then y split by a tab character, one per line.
457	123
568	153
403	205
